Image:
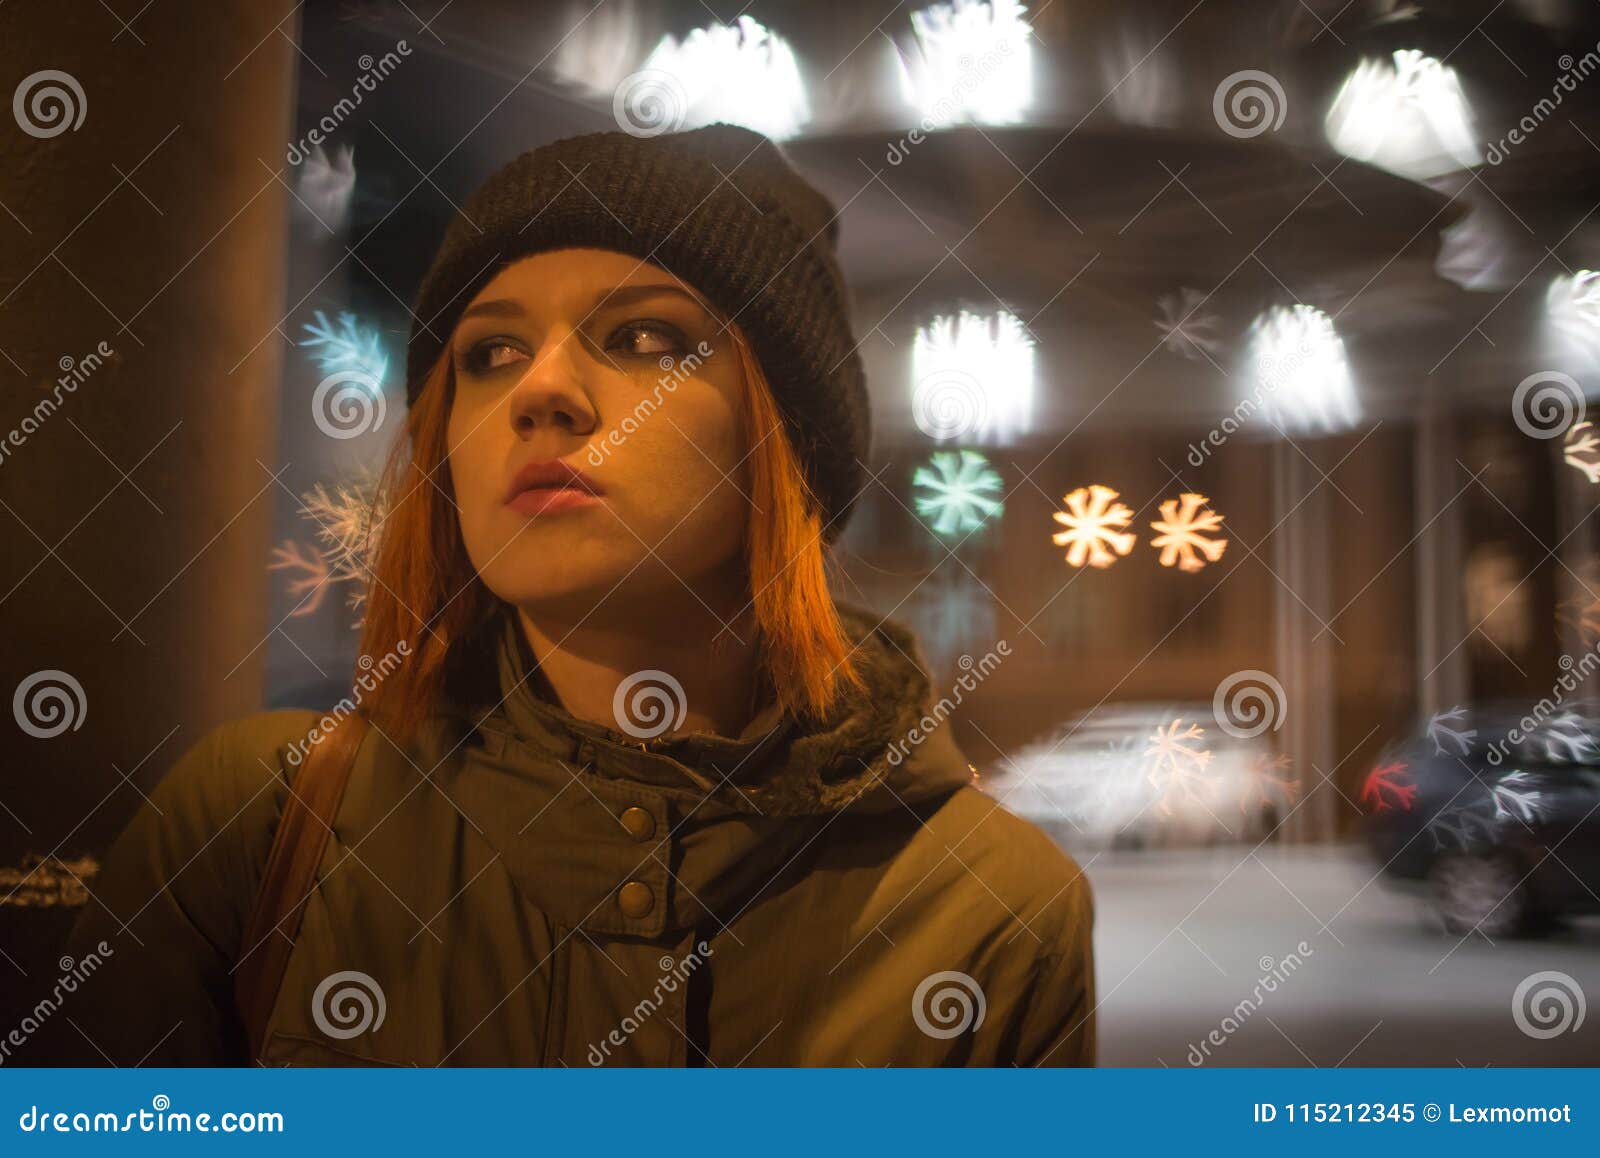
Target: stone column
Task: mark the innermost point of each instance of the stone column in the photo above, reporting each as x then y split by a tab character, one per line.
140	294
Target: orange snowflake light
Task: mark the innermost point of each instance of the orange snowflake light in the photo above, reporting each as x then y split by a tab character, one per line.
1091	518
1181	540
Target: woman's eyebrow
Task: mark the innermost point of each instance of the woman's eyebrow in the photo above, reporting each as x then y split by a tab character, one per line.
618	296
494	308
624	294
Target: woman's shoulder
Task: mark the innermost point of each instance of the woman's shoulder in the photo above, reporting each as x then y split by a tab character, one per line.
235	776
1010	860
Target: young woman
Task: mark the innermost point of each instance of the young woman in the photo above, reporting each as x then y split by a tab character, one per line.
618	783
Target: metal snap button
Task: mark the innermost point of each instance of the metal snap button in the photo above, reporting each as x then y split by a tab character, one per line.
635	899
638	823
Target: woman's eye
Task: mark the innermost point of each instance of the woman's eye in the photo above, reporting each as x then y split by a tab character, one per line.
647	339
491	355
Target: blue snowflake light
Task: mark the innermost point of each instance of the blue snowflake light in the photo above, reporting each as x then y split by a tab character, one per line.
957	492
349	347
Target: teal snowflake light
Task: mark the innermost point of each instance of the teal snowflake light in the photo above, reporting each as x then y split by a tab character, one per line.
957	492
349	347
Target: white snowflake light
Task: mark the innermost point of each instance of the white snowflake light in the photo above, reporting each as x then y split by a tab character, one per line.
740	73
972	60
972	378
1572	318
1408	116
1187	327
1297	373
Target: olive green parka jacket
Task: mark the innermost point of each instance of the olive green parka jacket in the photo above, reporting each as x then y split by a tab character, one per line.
519	887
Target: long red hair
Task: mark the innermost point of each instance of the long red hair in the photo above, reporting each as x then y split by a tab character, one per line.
425	593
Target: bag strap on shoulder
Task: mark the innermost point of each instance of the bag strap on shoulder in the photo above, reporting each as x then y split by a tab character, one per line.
290	876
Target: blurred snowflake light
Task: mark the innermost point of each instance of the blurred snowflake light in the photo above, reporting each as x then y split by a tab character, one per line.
1409	117
1572	317
971	61
957	492
972	378
740	73
350	347
1297	373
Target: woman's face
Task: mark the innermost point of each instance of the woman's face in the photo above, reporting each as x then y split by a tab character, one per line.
594	436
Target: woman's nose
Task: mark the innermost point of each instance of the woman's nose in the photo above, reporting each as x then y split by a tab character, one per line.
551	396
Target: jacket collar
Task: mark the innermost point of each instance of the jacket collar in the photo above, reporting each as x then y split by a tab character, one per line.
554	795
778	766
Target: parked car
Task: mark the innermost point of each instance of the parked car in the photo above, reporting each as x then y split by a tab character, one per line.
1493	812
1141	775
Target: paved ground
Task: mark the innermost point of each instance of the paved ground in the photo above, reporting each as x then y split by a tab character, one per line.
1182	938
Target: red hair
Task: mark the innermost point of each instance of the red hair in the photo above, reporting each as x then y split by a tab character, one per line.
424	592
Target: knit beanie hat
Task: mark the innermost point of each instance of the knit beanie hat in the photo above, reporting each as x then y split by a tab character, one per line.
719	207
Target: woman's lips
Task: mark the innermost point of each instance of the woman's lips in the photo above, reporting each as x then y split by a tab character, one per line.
549	488
551	500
